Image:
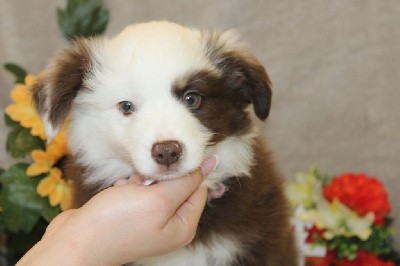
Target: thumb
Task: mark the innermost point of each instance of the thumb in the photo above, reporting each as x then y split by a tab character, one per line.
186	218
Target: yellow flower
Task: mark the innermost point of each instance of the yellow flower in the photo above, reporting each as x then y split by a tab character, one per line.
22	110
337	219
56	188
45	160
301	192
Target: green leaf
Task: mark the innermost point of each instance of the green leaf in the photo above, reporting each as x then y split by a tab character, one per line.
21	206
20	142
82	18
2	225
10	123
18	72
49	212
379	242
19	243
345	247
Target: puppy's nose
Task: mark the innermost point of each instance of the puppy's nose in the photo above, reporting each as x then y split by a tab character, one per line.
166	152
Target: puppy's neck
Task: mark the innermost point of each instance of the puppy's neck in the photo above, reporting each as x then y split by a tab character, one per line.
235	158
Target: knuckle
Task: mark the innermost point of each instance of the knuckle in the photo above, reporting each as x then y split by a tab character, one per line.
188	233
188	237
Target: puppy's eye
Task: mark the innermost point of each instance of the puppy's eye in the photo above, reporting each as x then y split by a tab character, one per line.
192	100
126	107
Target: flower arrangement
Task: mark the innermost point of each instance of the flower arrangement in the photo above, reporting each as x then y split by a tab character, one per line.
33	192
347	217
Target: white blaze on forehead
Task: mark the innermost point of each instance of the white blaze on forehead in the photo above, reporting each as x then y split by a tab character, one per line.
153	55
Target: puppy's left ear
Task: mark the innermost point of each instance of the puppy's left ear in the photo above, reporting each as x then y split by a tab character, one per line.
249	76
58	85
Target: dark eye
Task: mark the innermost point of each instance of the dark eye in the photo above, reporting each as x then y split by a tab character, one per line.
192	100
126	107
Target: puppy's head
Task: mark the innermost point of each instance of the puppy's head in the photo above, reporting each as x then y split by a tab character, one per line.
156	99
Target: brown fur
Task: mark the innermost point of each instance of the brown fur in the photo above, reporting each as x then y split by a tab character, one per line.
218	99
74	174
255	211
65	75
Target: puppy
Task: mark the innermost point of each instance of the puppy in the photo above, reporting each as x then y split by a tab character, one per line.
156	100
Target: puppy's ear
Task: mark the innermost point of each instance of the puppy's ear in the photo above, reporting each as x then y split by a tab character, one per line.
243	70
58	85
248	75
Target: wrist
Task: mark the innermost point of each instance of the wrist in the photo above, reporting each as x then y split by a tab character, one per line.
49	252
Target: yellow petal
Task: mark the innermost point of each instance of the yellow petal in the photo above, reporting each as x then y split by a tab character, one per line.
38	131
23	111
21	95
30	80
66	201
39	155
56	150
46	187
17	112
56	196
55	174
30	118
38	168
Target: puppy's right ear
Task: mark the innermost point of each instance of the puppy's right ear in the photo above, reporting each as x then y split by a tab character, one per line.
59	84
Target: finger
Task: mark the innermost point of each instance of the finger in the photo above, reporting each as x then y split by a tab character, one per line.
184	223
209	165
193	206
175	192
59	220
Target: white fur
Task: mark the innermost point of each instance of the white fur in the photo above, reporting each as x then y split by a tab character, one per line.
235	158
221	251
50	131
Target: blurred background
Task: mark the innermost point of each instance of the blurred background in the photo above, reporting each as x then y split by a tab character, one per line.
335	68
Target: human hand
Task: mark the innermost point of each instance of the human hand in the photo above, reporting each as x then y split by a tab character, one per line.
125	223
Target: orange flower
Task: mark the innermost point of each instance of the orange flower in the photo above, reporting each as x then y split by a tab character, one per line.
56	188
22	110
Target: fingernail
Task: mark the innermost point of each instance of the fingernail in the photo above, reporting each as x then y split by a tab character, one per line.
149	182
209	164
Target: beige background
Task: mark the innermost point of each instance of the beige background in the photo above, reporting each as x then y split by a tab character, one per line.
335	66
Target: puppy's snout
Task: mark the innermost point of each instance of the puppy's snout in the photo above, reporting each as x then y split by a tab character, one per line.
166	152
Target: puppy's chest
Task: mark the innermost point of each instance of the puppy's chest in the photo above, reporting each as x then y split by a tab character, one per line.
220	251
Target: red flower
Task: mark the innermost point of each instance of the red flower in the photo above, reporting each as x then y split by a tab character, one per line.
364	258
328	260
312	233
360	193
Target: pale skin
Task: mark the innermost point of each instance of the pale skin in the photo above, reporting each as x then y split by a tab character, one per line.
125	223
